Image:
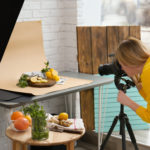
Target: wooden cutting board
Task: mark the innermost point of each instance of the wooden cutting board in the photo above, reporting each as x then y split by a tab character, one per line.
40	85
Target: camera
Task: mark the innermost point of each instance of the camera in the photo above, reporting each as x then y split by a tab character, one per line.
114	68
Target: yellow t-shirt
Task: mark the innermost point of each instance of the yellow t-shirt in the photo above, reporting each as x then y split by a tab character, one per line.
144	113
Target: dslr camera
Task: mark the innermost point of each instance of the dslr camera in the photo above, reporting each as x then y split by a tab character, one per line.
115	68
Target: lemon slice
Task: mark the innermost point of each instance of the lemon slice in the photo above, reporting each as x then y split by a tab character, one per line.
33	79
39	78
44	81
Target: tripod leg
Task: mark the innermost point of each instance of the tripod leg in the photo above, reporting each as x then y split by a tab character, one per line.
130	131
109	132
122	132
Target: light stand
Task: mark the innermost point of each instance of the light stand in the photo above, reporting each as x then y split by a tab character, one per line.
122	117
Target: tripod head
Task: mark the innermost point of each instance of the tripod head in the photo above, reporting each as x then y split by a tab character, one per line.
120	86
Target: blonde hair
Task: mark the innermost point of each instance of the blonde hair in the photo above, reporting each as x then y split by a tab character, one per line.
132	52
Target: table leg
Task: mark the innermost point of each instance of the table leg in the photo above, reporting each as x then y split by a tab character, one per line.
70	145
17	145
24	147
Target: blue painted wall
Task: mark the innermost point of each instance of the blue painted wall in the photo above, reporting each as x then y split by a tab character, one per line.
111	108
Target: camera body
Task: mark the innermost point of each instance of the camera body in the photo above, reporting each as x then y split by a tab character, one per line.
115	68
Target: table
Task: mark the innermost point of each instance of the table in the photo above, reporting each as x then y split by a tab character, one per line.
14	99
22	139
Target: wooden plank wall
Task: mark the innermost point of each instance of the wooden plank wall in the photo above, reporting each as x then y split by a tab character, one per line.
94	45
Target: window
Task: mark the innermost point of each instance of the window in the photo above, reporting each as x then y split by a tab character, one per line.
125	12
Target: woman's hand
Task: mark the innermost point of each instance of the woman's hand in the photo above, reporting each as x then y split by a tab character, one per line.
125	100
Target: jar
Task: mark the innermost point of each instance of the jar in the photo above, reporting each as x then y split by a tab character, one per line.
40	131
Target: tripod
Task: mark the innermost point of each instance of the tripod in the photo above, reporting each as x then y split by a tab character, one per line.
122	117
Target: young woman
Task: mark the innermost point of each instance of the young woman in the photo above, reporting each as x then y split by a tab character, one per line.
134	59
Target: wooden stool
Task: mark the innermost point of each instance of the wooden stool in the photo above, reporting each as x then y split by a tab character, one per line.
22	139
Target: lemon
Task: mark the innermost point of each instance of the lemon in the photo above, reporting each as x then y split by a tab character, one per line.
28	118
54	72
63	116
49	75
56	78
51	69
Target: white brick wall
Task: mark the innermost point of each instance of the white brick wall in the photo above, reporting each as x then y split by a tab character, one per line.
49	12
59	20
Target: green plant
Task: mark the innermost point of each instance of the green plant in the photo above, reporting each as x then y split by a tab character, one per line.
23	81
46	67
38	115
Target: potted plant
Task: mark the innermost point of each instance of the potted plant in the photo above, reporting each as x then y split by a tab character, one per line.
39	123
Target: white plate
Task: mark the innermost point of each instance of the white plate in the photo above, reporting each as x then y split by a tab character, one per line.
13	128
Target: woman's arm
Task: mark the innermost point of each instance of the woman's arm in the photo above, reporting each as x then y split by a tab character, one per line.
142	112
125	100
